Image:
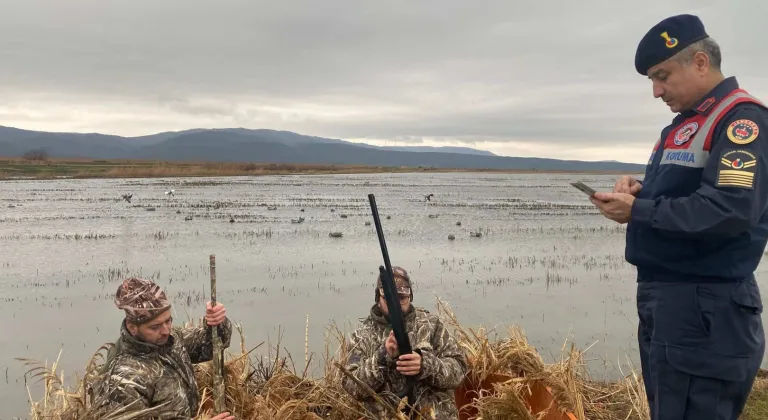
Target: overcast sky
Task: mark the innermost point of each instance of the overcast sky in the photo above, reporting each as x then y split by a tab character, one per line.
520	78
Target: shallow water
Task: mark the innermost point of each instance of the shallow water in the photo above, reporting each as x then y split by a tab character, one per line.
546	260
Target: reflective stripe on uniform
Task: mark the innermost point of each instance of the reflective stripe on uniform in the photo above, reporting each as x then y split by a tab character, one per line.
697	153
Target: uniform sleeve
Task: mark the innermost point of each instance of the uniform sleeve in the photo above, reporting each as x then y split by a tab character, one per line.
368	362
733	193
199	343
445	364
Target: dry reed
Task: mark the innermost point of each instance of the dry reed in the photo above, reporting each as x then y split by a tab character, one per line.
273	388
123	168
514	359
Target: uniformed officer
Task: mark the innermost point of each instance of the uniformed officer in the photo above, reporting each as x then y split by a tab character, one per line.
697	228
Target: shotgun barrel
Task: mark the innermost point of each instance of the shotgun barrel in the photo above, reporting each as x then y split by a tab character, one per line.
396	318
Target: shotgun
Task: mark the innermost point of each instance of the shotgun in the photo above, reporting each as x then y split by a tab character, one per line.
396	319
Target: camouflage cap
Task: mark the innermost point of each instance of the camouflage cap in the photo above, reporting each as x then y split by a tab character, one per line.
141	299
402	281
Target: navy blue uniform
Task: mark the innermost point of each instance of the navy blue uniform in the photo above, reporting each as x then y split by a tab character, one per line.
697	232
696	215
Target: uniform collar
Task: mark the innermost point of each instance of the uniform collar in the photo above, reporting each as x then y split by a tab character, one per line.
707	103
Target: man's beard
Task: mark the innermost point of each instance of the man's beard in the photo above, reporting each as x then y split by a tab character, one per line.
160	341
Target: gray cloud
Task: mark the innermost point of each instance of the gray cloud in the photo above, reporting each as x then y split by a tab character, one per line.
554	73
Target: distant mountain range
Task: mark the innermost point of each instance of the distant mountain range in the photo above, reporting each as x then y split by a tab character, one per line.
270	146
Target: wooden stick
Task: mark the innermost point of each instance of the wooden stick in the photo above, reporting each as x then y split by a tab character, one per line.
218	362
306	344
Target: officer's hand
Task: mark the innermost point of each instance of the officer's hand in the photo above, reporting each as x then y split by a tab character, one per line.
615	206
391	345
215	315
409	364
223	416
627	185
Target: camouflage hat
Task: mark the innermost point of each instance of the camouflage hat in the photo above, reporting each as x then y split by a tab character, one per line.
402	282
141	299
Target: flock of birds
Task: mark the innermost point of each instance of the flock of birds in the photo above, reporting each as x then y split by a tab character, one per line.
169	193
427	197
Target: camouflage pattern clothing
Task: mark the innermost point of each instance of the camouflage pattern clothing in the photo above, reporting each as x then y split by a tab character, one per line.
143	375
443	364
141	299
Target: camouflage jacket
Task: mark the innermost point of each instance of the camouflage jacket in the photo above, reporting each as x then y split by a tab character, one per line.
444	364
140	375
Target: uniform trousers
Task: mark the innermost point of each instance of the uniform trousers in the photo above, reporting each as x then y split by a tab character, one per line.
701	346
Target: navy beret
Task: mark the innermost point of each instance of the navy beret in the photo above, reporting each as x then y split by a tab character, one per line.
666	39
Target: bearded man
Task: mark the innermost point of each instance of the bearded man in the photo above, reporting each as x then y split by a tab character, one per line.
151	365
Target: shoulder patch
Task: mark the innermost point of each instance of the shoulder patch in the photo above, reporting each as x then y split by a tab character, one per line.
743	131
737	169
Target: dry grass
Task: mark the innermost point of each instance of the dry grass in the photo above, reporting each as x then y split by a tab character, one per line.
757	405
118	168
274	388
81	168
230	169
568	380
254	390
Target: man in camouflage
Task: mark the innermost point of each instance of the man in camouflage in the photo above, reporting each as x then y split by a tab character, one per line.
437	362
150	367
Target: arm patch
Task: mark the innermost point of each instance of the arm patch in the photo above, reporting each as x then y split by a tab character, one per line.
737	169
743	131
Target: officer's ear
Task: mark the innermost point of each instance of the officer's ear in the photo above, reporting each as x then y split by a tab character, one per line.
701	62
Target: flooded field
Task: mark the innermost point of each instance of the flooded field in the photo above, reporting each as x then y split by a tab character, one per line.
529	250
